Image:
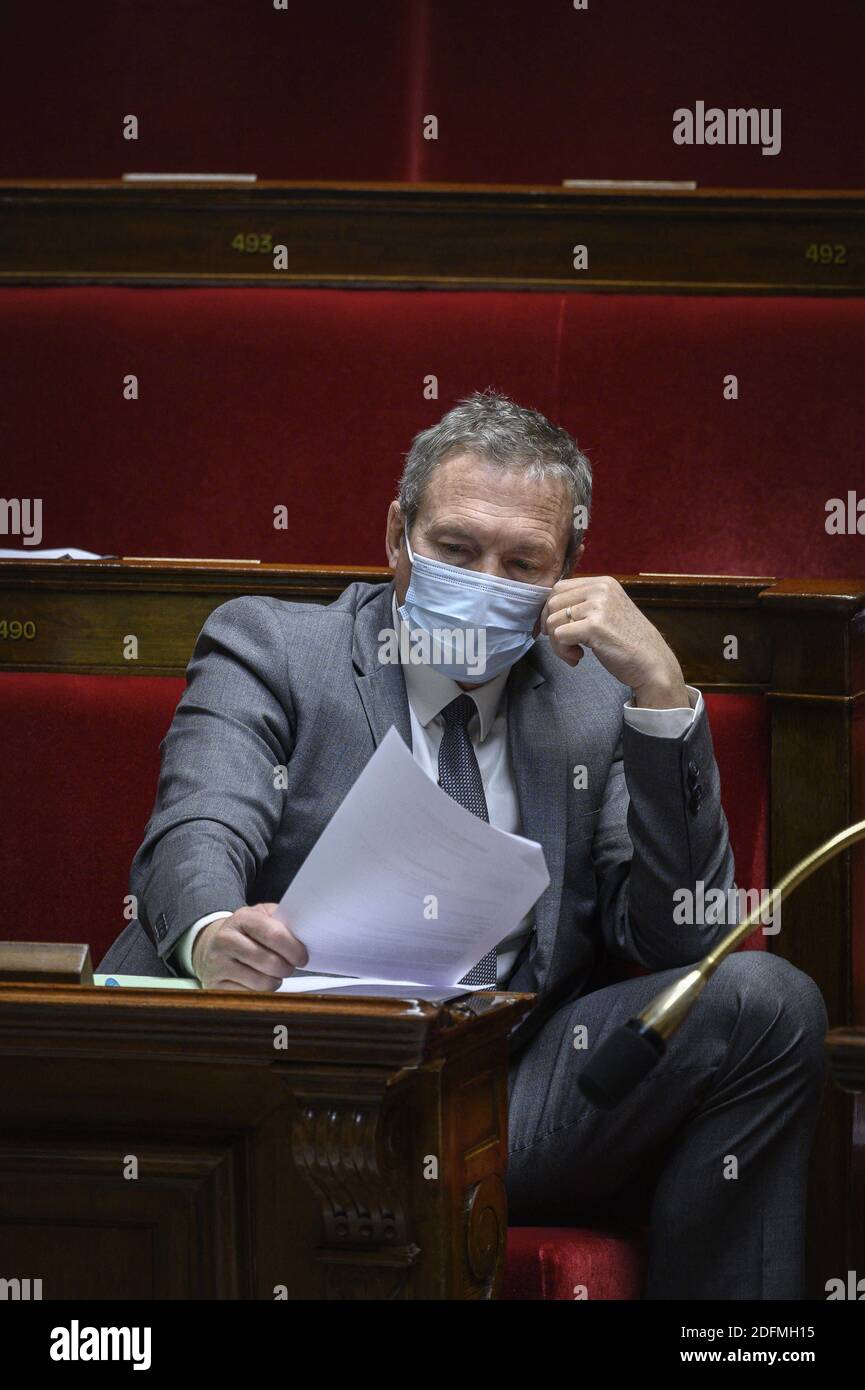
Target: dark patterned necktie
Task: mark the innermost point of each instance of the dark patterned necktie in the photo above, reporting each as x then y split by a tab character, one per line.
460	777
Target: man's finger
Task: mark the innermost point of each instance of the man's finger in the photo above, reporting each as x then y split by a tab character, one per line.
557	603
572	656
569	631
276	937
260	958
559	616
235	975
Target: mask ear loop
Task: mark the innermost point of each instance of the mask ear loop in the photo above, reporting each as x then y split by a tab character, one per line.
408	544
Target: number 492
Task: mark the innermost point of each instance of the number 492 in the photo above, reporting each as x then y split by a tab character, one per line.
826	253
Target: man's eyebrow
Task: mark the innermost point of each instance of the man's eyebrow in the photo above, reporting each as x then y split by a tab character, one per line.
451	528
528	547
538	548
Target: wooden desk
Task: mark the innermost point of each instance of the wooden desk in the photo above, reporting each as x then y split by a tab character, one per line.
299	1147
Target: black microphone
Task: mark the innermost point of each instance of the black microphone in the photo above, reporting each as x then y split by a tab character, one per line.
620	1063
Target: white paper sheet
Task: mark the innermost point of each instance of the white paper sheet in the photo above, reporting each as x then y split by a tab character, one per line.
304	983
63	552
405	886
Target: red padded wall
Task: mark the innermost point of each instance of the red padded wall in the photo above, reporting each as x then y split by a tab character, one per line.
252	398
524	92
688	481
219	86
529	92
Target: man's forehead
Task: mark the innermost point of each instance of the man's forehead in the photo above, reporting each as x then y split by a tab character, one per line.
506	491
514	530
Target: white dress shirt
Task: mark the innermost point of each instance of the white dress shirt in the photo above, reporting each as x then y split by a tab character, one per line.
428	693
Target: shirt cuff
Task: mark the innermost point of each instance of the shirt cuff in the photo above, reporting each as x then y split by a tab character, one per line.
181	956
664	723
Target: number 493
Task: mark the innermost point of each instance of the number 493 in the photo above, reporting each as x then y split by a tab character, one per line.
252	242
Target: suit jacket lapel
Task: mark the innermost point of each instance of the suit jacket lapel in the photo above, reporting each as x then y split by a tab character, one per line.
381	685
536	740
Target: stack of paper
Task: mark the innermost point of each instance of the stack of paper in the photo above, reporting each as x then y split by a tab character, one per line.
406	890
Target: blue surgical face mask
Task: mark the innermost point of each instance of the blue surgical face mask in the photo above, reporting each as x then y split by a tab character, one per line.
476	625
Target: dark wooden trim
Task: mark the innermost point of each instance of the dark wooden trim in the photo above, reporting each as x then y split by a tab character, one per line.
845	1048
83	609
225	1024
447	236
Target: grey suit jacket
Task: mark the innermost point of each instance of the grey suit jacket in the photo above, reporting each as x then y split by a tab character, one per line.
272	683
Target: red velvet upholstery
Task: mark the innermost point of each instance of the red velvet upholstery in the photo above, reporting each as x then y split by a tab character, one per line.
80	770
740	734
77	782
706	485
524	92
569	1262
250	399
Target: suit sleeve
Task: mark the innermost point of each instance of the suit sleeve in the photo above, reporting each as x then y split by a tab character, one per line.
661	829
218	803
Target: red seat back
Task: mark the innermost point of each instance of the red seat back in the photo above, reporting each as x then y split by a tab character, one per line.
325	389
77	784
79	776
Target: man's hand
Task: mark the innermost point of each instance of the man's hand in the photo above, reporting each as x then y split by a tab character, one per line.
603	618
248	950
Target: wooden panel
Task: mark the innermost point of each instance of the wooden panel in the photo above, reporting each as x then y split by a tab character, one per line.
443	235
846	1050
792	635
77	616
171	1232
82	612
698	615
282	1144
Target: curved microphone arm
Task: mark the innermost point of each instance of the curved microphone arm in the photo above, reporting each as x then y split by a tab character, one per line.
630	1053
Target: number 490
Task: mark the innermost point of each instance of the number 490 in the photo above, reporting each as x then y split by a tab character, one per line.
15	630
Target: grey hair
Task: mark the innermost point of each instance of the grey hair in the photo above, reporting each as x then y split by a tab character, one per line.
495	428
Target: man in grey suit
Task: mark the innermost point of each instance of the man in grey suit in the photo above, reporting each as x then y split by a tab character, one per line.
567	721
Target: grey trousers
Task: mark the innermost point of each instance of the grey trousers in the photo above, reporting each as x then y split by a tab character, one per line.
712	1146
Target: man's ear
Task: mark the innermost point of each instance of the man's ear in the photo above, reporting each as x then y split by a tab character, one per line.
575	562
393	530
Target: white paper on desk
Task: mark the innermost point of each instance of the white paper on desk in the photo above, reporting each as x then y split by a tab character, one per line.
63	552
358	901
300	983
